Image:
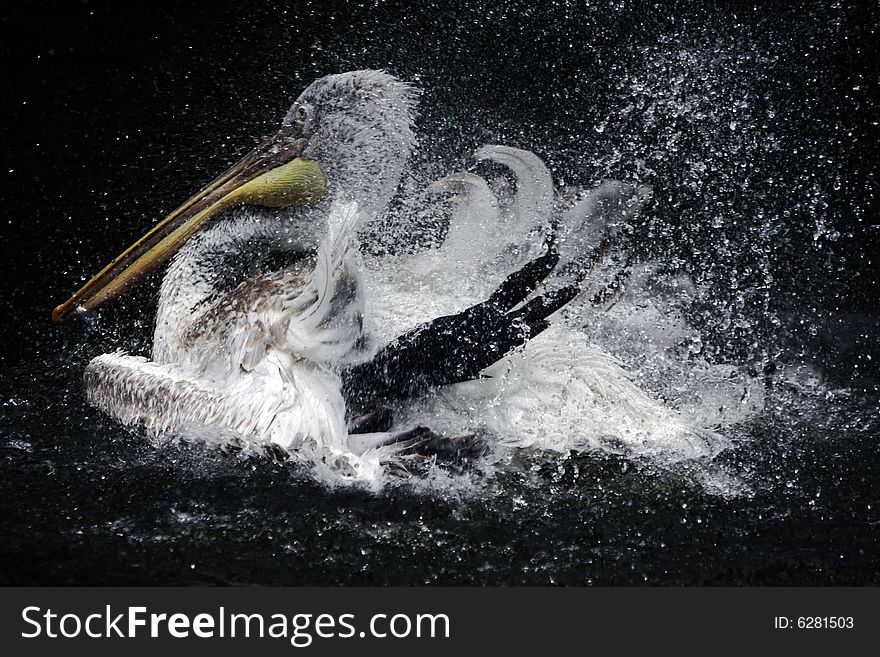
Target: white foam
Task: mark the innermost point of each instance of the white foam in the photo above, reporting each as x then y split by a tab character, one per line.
626	379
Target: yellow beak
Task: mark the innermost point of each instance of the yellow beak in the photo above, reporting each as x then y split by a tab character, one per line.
274	174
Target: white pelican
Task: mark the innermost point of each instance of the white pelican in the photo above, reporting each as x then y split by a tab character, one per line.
245	352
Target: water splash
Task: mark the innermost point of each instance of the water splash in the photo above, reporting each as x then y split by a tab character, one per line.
624	377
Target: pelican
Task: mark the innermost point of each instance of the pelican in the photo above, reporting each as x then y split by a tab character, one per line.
248	352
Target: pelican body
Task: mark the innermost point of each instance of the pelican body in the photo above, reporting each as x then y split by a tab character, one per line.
239	352
246	352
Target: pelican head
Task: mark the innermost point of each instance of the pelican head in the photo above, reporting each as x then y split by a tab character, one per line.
359	128
347	136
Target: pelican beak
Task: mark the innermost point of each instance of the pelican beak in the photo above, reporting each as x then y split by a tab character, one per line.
274	174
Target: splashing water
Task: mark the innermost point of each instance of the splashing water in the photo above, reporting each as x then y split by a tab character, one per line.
598	378
711	420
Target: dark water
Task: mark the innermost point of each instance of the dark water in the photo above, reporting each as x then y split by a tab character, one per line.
757	128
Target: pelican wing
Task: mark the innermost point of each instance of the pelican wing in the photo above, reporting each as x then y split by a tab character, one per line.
312	311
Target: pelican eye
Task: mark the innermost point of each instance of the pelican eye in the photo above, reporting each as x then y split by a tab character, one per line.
300	115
